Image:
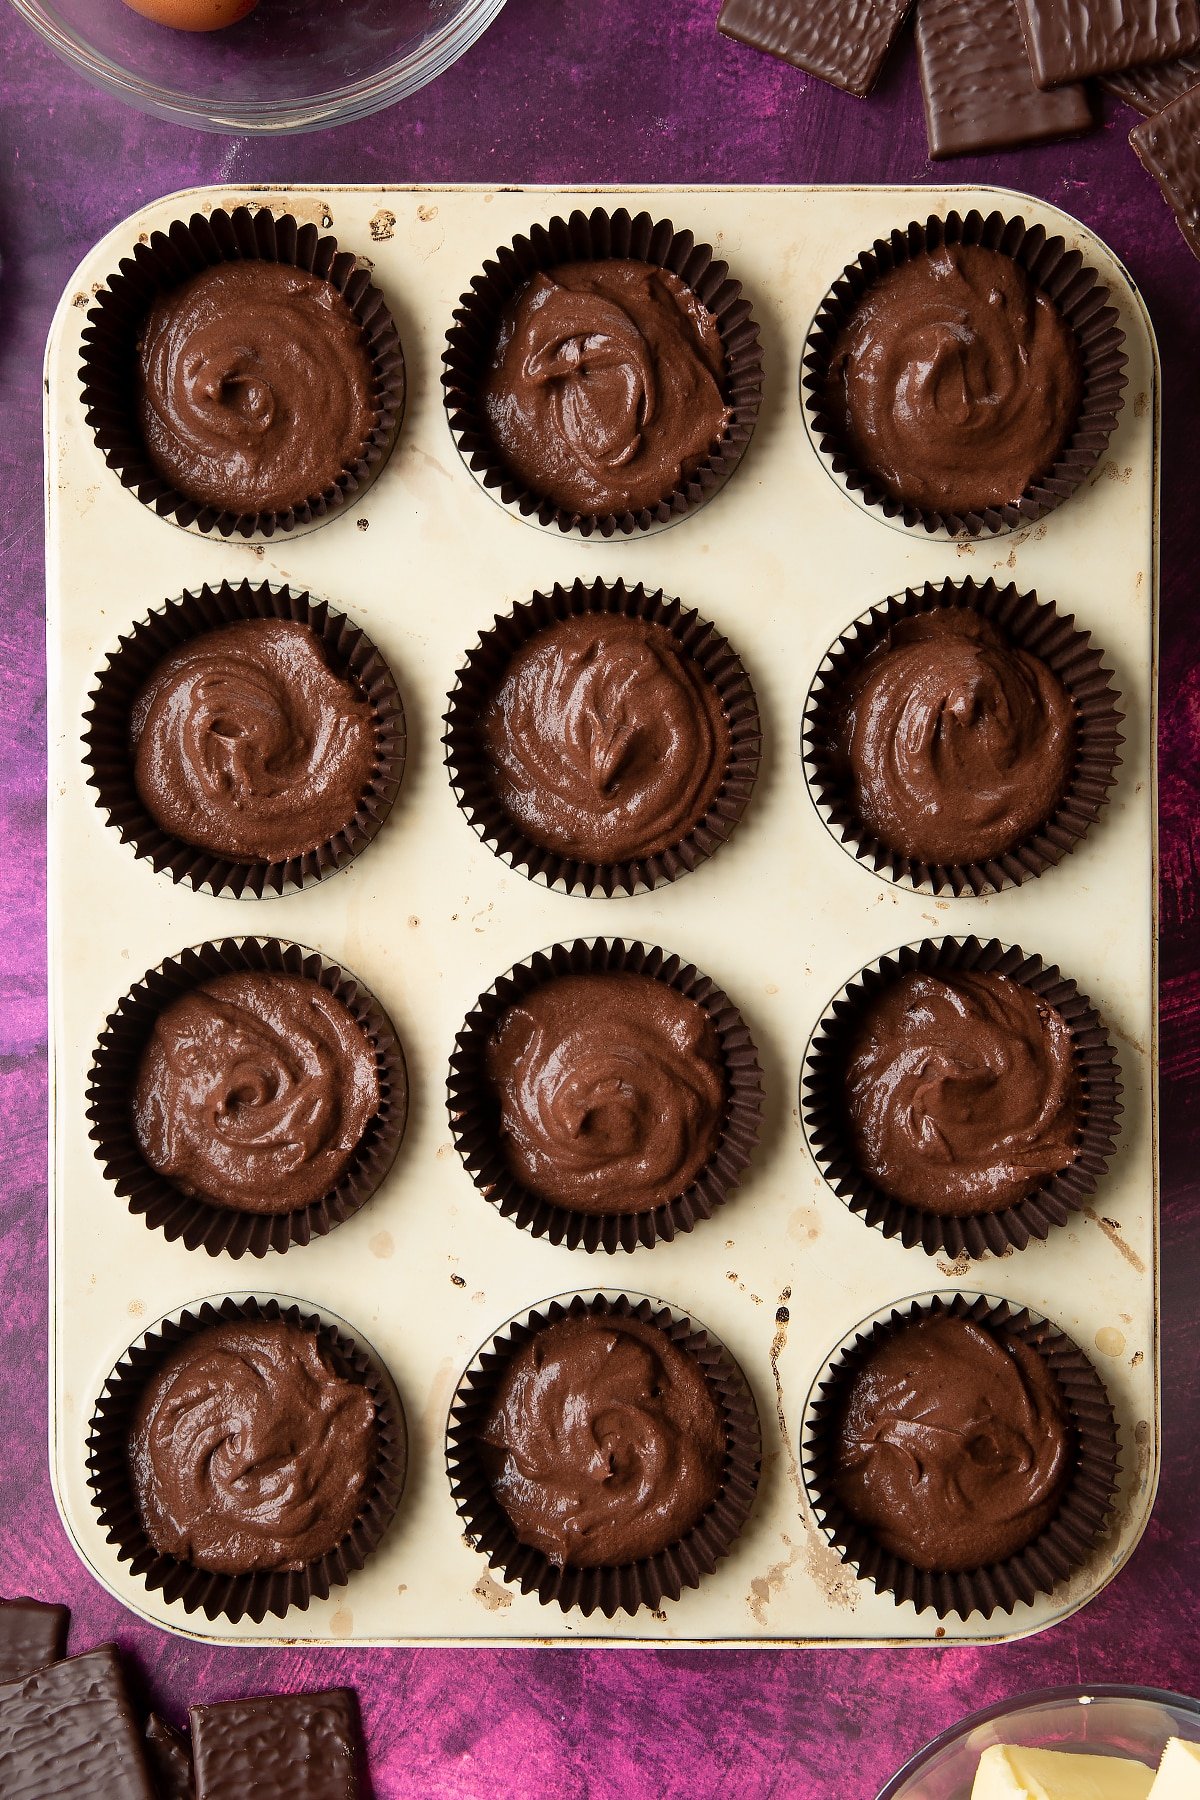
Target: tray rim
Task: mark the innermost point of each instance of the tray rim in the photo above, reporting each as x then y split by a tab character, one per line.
218	194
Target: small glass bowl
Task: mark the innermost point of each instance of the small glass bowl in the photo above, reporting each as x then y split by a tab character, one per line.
291	65
1115	1721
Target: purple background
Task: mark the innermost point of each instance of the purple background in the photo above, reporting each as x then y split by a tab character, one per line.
566	90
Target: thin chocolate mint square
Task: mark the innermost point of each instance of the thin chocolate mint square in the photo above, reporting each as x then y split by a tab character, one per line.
67	1733
1069	39
169	1755
1152	86
1169	146
280	1747
978	87
843	41
31	1637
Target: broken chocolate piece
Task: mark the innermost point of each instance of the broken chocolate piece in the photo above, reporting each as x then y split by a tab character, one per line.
280	1747
1152	86
169	1754
843	41
67	1733
1169	146
978	89
31	1637
1067	40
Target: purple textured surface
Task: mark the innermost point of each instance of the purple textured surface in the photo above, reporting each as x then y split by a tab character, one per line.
561	91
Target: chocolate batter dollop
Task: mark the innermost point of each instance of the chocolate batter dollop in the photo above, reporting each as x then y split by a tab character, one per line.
955	1446
605	386
254	1091
955	382
611	1091
606	739
249	1451
254	387
606	1444
962	1092
958	744
248	745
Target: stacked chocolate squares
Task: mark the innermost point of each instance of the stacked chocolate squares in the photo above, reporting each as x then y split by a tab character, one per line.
998	73
69	1730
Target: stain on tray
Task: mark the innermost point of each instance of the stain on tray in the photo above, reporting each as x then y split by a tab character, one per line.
494	1597
763	1588
342	1622
960	1266
381	1245
1110	1341
782	1320
1112	1231
459	1280
382	226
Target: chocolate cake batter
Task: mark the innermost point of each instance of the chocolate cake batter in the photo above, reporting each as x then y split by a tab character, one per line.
605	387
607	741
605	1442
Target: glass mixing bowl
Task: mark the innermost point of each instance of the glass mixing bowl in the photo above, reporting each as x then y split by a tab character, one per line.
1119	1721
292	65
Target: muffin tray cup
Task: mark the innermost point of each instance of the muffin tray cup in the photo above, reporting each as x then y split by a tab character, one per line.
781	561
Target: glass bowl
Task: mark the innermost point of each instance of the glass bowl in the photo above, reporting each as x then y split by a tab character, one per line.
1118	1721
292	65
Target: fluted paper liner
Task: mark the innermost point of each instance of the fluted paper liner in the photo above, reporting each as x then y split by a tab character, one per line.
109	754
1064	277
202	1223
471	769
263	1591
165	262
1067	1541
1033	1216
1027	623
474	1113
611	1588
589	237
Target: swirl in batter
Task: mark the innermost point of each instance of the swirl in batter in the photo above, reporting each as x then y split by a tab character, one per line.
958	744
611	1091
254	387
606	1444
254	1092
962	1092
954	1447
607	741
954	382
605	386
249	1451
246	744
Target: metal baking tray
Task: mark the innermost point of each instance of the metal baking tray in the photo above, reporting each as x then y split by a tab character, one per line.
781	561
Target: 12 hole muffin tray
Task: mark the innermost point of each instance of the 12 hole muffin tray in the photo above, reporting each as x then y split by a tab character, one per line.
782	559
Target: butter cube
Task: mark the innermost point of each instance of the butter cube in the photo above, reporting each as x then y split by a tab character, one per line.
1009	1772
1178	1775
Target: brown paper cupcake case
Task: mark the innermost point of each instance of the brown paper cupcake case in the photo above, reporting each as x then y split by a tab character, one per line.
200	1223
470	774
1065	278
264	1591
629	1586
108	753
473	1111
1068	1540
166	261
974	1233
1031	624
584	237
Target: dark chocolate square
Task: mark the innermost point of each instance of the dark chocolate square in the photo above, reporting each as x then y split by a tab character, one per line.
31	1637
1169	146
1152	86
67	1733
169	1755
978	87
1068	39
282	1747
843	41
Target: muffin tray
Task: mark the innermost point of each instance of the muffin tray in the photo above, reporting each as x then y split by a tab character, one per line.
781	917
